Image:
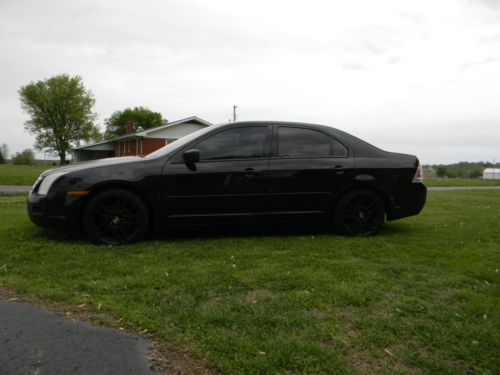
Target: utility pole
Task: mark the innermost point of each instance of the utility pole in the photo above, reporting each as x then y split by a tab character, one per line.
234	113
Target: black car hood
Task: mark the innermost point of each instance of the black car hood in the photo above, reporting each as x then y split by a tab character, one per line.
93	164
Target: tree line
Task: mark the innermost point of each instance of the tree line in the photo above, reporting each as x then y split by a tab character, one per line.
61	116
463	169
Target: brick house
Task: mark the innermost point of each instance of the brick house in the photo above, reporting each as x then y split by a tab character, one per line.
139	142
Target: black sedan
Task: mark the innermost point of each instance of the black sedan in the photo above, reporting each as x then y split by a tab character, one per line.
240	172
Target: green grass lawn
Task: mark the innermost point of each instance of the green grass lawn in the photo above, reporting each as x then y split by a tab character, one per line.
421	297
439	181
20	174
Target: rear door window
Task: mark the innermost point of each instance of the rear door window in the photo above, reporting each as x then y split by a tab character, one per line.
300	142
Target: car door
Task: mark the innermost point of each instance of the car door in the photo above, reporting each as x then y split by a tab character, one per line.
307	166
229	183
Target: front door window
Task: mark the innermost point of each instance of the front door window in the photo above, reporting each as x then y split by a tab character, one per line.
240	143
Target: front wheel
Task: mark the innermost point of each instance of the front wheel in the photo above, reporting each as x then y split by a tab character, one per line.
359	213
115	217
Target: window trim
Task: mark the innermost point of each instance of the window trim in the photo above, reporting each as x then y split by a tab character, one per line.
348	152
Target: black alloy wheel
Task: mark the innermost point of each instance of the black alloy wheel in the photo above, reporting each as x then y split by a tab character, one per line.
115	217
360	213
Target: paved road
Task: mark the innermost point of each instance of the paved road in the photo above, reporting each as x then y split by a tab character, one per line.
34	341
14	189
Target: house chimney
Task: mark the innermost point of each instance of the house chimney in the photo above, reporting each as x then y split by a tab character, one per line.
129	127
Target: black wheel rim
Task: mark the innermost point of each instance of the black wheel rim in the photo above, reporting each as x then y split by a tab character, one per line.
115	220
363	214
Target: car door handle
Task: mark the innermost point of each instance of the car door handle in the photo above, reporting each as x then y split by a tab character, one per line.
339	169
250	172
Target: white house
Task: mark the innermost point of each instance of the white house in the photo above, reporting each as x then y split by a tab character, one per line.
139	143
491	174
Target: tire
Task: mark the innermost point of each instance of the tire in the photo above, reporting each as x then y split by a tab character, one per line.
360	212
115	217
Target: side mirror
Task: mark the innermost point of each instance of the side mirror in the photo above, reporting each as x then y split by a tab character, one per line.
191	156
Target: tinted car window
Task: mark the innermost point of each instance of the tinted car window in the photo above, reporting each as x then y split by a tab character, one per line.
238	143
298	142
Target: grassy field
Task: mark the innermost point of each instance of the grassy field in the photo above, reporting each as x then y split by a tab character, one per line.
20	174
422	297
438	181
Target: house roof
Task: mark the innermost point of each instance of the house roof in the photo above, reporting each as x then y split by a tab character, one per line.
145	133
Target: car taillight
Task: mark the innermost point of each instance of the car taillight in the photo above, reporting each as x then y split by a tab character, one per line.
419	176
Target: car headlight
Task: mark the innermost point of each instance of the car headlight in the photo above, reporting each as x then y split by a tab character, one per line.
48	181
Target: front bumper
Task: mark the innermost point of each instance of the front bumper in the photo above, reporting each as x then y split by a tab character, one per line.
56	211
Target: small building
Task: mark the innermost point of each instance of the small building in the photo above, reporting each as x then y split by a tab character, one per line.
491	174
141	142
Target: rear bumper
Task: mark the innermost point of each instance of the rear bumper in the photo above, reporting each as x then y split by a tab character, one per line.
55	211
407	201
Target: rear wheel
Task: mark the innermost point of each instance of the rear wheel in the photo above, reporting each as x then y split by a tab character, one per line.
115	217
359	213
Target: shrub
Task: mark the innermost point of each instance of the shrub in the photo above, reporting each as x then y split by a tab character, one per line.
441	171
26	157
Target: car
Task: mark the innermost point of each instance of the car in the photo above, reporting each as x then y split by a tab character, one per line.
244	172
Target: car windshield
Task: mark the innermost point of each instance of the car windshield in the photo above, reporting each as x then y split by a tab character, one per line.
174	146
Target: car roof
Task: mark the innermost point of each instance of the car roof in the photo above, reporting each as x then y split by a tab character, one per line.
264	122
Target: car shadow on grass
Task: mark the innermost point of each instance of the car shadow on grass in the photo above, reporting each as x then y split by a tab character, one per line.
223	231
263	230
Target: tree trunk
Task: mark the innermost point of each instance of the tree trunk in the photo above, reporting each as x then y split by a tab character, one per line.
62	158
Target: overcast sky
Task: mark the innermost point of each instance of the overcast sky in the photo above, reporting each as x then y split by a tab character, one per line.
420	77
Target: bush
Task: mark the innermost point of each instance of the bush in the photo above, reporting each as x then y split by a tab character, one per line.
475	173
441	171
26	157
2	159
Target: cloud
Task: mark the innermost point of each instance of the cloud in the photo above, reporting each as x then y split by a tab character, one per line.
414	17
492	4
382	68
472	64
369	47
354	66
394	60
490	39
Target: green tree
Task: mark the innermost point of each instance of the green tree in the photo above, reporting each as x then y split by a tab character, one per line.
475	173
441	171
139	116
4	152
61	113
26	157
